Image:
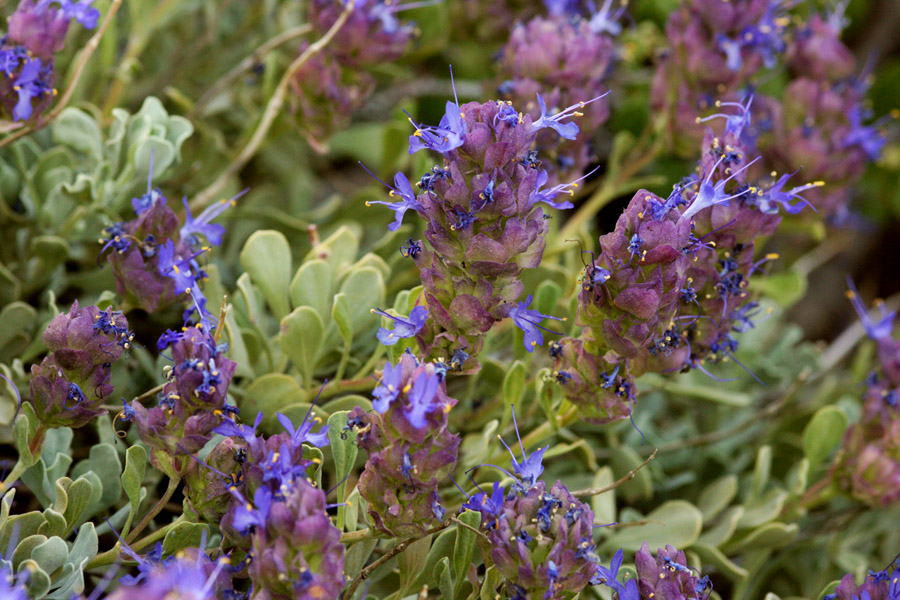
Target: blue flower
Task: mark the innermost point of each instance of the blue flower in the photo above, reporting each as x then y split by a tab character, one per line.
711	194
388	389
866	137
229	428
770	199
30	85
10	58
734	124
303	434
877	330
403	328
528	321
407	196
530	468
420	398
145	202
568	131
447	136
81	11
203	224
12	587
252	515
609	576
176	268
732	50
487	505
547	196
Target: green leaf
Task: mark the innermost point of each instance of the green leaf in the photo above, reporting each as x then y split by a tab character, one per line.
829	589
785	288
546	297
763	510
604	505
132	478
54	524
266	257
441	547
84	548
464	549
342	443
25	429
339	250
76	129
770	535
761	473
716	496
366	289
301	337
444	578
725	528
184	535
712	555
38	583
492	579
312	285
674	522
269	394
798	477
348	403
79	496
104	461
358	554
514	384
823	434
340	314
25	547
412	560
622	460
50	555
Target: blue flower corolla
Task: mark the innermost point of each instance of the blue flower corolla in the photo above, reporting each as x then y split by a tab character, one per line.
303	434
866	137
552	580
404	190
447	136
766	37
28	86
280	468
10	58
403	328
567	131
176	268
736	123
528	320
732	50
248	515
229	428
388	388
487	505
877	330
609	576
421	399
81	11
530	468
12	587
547	196
711	194
383	10
606	21
770	199
203	223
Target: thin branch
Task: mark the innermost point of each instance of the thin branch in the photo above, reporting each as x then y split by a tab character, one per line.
628	477
77	72
365	573
273	108
149	393
478	532
170	490
356	536
247	64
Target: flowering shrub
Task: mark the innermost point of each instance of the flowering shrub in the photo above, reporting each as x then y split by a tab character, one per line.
462	299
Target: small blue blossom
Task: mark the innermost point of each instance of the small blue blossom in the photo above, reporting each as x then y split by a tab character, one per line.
568	131
229	428
420	398
463	219
547	196
446	137
10	58
252	515
866	137
31	84
177	268
732	50
303	434
530	469
711	194
528	320
388	389
407	196
877	330
203	223
436	509
550	504
411	250
81	11
403	328
487	505
606	20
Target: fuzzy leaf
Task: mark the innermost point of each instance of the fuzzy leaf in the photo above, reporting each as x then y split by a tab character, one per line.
311	286
674	522
266	257
301	337
823	434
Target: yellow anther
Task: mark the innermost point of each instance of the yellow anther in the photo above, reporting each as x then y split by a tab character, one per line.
406	388
772	256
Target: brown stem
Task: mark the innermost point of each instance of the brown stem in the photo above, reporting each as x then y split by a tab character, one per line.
365	573
77	72
628	477
273	108
173	485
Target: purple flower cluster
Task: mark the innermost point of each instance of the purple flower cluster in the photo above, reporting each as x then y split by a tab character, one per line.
410	449
484	220
567	58
668	290
868	468
878	585
665	577
333	84
540	538
70	384
155	261
190	575
192	402
37	31
715	48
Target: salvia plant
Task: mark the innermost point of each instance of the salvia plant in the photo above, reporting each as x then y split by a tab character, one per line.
461	299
